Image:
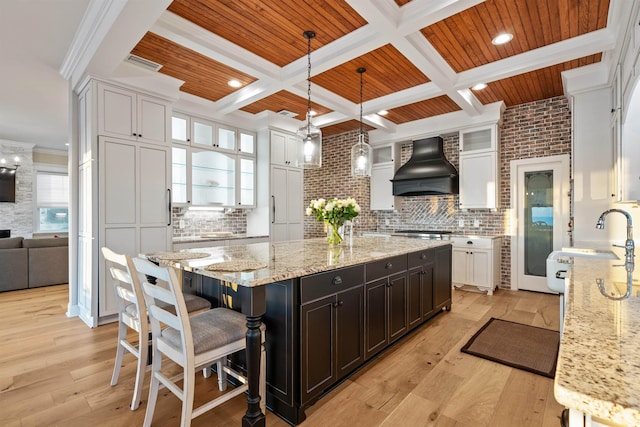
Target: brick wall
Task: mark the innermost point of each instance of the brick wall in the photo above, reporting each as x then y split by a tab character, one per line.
536	129
18	216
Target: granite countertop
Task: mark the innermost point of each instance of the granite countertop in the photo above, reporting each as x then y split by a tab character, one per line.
287	260
191	239
598	369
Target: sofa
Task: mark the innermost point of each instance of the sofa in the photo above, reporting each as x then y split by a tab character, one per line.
31	263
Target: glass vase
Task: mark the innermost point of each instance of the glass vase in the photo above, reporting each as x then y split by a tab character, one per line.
334	234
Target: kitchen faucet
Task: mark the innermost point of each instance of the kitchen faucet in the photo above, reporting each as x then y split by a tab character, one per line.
628	244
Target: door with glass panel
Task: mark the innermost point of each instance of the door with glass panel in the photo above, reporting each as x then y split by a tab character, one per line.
540	201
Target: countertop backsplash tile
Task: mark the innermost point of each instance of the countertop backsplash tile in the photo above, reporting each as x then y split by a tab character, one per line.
196	222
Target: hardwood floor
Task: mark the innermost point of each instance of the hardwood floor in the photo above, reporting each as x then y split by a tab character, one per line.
56	371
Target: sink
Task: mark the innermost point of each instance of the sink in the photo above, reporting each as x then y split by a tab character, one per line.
216	234
557	264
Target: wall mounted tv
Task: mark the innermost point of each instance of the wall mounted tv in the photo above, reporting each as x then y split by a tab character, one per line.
7	187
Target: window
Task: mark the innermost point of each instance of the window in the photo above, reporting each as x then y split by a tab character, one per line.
52	202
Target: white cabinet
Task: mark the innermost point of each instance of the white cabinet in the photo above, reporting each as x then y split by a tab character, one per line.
382	171
126	114
478	168
285	149
123	190
213	164
133	207
476	262
286	204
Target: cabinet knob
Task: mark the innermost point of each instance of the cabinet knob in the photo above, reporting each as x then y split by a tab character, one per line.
340	303
423	256
337	280
335	304
388	265
140	135
469	242
135	134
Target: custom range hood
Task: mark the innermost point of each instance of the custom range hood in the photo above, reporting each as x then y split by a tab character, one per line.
427	172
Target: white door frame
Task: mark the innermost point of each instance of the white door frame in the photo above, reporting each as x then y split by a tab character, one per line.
561	194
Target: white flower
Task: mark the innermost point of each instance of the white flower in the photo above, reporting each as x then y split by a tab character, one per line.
309	211
329	207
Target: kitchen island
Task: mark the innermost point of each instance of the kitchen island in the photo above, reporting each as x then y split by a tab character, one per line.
598	371
328	310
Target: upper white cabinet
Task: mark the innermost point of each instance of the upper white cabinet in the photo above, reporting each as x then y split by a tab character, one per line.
285	149
382	170
478	169
213	164
126	114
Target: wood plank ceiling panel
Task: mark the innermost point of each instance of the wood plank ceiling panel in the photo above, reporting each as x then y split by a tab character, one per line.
202	75
272	29
388	71
422	109
464	39
284	100
533	86
343	127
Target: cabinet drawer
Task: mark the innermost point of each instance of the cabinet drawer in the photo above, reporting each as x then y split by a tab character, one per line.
385	267
471	242
424	256
322	284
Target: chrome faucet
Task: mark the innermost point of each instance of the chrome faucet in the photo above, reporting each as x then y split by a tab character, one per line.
628	244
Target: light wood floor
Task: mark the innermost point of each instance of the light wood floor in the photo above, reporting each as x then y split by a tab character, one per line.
55	371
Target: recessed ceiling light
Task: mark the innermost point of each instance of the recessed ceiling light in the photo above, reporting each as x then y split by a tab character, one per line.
383	112
234	83
479	86
502	38
312	113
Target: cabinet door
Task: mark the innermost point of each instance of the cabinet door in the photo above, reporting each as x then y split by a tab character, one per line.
478	181
118	162
350	331
481	264
293	151
459	268
279	195
278	145
180	128
203	132
317	347
397	306
152	119
294	196
414	303
376	332
478	139
116	112
246	182
442	277
225	138
154	198
179	176
381	187
247	142
428	277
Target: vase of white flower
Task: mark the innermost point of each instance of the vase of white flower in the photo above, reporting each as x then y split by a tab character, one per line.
334	213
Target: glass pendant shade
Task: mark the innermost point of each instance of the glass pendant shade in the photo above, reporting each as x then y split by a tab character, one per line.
309	135
361	153
311	138
361	158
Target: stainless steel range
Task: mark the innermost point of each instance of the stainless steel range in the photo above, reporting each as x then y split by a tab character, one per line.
424	234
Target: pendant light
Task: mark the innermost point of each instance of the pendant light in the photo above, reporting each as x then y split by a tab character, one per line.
309	135
361	153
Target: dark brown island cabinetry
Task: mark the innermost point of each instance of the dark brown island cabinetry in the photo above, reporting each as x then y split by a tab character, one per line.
322	327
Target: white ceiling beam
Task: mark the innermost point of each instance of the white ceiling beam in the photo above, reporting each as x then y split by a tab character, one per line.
574	48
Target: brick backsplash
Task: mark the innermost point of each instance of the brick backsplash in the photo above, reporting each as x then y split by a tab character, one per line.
536	129
195	222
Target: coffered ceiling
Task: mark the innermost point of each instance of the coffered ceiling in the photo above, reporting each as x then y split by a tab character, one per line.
422	56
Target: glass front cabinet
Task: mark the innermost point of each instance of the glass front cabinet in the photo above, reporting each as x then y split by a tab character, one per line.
213	165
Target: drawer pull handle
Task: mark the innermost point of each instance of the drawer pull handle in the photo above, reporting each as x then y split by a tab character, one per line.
388	265
423	256
337	280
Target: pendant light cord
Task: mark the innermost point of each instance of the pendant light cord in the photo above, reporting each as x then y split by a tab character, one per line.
361	132
309	84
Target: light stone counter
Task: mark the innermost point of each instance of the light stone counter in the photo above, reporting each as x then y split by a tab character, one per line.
199	239
287	260
598	369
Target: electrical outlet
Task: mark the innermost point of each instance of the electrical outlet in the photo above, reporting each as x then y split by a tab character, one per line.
461	223
181	224
476	223
386	221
